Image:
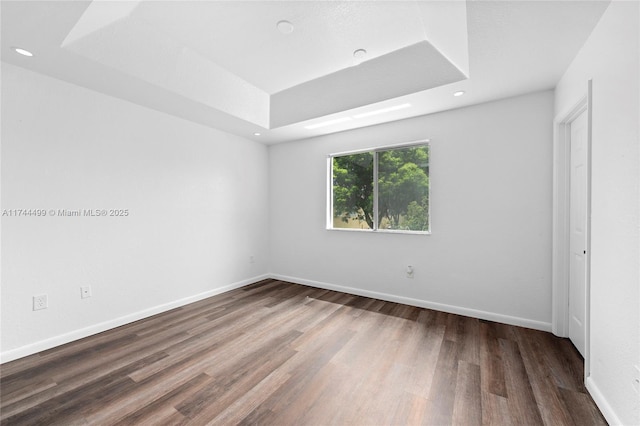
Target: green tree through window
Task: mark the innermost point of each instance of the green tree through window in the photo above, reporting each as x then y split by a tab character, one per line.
401	193
353	189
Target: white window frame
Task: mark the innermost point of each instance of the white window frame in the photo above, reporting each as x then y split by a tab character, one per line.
375	151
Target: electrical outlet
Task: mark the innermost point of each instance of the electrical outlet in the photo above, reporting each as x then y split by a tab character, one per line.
85	291
252	259
636	379
40	302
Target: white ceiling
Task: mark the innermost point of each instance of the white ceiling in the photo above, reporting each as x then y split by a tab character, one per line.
242	36
224	64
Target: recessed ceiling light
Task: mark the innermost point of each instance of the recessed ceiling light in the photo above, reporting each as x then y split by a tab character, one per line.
382	111
23	52
328	123
359	54
285	27
459	93
257	134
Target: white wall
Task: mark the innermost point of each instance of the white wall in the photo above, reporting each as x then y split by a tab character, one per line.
610	58
490	251
197	199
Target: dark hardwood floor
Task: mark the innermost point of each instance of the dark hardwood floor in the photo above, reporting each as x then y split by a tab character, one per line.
276	353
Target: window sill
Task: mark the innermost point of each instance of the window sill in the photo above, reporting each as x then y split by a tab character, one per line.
380	231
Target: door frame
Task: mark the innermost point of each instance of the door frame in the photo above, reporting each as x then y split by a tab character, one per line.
560	232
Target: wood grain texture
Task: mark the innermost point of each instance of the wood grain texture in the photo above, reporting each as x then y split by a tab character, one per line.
284	354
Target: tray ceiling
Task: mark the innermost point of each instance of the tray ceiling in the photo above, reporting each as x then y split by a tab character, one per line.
227	64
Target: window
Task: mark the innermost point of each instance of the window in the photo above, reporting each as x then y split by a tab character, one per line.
385	189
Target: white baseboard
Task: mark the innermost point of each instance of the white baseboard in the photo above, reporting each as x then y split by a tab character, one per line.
62	339
602	402
474	313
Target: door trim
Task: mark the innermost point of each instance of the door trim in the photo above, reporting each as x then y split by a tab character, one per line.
560	230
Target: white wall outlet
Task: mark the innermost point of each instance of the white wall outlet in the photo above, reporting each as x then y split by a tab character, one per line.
40	302
85	291
252	259
636	379
410	271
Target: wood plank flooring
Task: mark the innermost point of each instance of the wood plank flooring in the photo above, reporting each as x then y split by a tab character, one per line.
277	353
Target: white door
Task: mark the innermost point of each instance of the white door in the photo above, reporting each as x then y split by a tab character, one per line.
578	233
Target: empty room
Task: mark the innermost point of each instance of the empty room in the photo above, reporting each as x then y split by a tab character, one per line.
320	212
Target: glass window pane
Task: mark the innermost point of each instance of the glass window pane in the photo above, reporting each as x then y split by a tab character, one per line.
353	191
403	188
